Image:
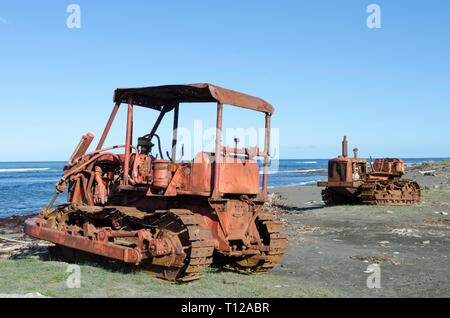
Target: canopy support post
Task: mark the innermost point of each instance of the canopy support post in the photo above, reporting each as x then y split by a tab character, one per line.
218	152
126	166
266	158
175	133
108	126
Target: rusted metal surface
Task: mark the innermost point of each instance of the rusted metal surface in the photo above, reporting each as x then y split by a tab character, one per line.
350	181
157	96
233	173
82	147
175	131
164	214
218	152
344	147
388	166
388	192
99	247
108	126
266	157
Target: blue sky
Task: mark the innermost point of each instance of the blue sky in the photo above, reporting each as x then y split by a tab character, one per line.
326	73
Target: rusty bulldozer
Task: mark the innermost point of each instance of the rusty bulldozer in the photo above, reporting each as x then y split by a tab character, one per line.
350	181
169	217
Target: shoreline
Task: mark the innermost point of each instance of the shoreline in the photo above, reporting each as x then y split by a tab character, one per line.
429	175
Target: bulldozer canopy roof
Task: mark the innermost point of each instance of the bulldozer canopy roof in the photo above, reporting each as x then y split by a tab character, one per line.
156	97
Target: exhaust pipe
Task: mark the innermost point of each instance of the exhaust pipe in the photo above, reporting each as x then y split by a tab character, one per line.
344	147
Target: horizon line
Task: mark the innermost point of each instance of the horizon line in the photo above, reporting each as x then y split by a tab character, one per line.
24	161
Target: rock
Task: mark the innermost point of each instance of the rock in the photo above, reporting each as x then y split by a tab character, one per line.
406	232
426	242
427	173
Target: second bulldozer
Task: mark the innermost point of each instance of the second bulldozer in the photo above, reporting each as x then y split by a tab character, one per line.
350	181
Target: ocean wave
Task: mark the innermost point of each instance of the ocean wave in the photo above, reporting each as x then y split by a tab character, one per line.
293	184
18	181
23	169
261	172
294	171
279	171
310	170
306	162
300	183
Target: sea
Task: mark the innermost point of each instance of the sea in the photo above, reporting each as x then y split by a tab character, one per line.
26	187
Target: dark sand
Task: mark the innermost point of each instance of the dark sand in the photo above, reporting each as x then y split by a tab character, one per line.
412	243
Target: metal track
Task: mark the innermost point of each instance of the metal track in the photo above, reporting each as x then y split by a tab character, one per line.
273	235
390	192
182	225
194	243
198	245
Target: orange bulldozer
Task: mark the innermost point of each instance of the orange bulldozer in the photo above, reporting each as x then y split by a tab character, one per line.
351	182
167	216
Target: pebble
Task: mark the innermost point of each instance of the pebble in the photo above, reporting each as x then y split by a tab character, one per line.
426	242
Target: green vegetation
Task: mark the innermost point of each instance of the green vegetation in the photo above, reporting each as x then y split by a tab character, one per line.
49	279
441	196
432	162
